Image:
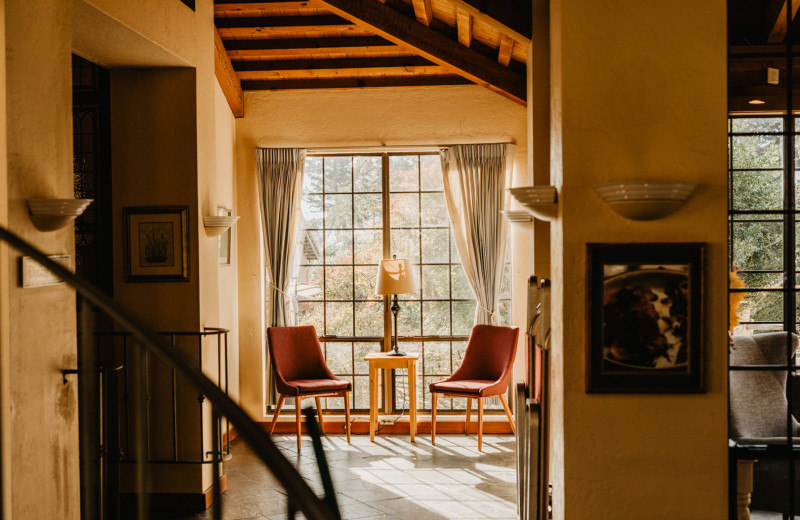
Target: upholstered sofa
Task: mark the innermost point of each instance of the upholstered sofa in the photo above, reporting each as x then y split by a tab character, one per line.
759	429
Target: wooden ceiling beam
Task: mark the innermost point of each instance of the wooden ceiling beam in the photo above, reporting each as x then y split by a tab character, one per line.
423	11
288	47
223	6
228	81
778	32
464	27
353	83
434	46
506	48
400	62
511	17
325	22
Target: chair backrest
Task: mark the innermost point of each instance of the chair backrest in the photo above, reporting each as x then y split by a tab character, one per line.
489	355
296	354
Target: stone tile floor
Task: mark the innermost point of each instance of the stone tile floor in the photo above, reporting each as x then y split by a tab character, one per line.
391	478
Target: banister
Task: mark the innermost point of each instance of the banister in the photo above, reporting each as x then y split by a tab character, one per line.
302	495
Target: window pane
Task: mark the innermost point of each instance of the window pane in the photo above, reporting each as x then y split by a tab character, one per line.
405	244
367	211
757	151
404	173
436	282
338	211
758	190
367	174
436	318
434	211
312	211
505	285
761	306
369	247
461	289
459	347
365	282
435	243
339	283
310	313
339	247
312	175
409	319
369	319
339	318
309	282
404	209
312	248
762	280
757	124
361	393
338	174
360	352
339	357
430	172
463	318
437	358
758	245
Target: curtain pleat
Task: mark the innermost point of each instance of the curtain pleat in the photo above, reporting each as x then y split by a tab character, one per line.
475	178
280	182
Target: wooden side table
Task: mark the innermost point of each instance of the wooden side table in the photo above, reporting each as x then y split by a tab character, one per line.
379	360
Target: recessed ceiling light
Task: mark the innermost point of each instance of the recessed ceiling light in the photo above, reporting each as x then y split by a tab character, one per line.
757	102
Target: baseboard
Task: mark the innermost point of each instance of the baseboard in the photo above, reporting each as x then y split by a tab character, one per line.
187	503
360	425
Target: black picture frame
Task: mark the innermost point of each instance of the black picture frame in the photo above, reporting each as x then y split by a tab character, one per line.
645	309
156	243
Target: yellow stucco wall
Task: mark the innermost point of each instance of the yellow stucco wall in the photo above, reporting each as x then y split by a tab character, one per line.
350	118
638	93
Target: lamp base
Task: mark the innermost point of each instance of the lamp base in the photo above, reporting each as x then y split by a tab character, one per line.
395	352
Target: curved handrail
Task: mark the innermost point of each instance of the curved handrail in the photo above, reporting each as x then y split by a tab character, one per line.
303	496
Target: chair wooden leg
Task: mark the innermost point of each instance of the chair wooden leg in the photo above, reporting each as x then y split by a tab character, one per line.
434	397
275	415
469	409
319	411
347	415
480	423
297	417
508	412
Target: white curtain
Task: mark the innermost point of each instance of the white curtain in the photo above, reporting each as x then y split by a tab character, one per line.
280	185
475	180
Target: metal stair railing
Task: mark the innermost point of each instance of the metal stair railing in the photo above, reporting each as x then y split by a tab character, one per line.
300	495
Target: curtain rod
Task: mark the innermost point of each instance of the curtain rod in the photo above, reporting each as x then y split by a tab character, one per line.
379	149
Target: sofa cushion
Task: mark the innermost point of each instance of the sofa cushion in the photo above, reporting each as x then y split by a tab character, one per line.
758	401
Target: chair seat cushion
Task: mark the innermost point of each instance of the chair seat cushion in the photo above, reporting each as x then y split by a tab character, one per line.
465	386
316	386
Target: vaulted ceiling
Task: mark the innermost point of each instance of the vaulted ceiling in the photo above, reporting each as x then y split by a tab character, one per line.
346	44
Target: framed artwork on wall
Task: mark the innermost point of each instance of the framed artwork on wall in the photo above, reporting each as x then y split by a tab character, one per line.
225	238
645	313
156	243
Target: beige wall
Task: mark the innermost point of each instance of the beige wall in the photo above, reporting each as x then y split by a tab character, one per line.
350	118
41	439
638	94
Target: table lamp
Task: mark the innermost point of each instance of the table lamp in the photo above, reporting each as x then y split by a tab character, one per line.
395	276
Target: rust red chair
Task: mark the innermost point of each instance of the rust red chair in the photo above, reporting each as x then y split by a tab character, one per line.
300	372
484	372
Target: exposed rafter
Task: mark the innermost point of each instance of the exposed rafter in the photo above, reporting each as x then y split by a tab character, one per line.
291	47
397	28
228	81
244	26
423	11
778	32
512	17
464	26
506	48
352	83
235	5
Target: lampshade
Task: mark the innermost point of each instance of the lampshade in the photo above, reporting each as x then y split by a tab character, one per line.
396	276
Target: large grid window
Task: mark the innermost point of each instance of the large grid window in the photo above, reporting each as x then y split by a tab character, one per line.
356	209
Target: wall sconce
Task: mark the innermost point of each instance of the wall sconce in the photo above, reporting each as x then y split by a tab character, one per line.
216	225
645	200
539	201
517	217
52	214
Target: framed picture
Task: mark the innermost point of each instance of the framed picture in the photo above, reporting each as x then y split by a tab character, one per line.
156	243
645	318
225	238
